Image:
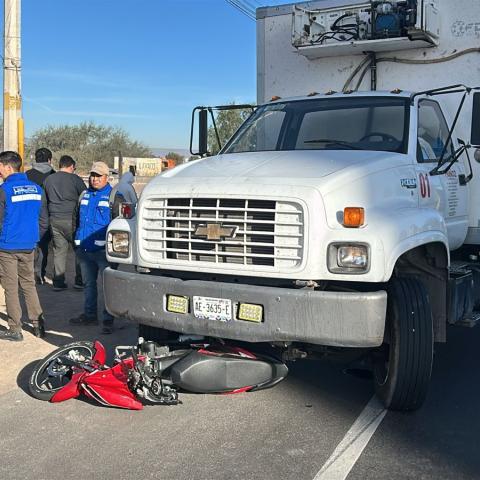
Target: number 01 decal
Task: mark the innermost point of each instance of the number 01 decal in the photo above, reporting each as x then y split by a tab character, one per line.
424	186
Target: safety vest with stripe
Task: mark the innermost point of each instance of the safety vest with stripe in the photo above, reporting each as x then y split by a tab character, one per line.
94	217
20	229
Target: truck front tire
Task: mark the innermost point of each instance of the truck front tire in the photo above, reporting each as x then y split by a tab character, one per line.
403	365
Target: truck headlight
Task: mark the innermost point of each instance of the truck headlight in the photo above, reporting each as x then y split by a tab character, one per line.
350	258
118	244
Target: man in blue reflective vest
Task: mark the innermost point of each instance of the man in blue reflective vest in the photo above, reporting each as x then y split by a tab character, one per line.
92	218
23	221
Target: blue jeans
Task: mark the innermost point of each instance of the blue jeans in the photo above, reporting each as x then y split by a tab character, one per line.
93	264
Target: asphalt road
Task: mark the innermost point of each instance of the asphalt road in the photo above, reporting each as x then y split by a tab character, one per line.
288	432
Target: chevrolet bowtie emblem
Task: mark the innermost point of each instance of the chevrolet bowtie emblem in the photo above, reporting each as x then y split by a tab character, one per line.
215	231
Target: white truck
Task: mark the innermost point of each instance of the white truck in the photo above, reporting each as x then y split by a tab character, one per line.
343	214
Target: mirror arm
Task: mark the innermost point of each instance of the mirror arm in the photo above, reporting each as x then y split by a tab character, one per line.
441	161
462	178
456	155
192	125
215	128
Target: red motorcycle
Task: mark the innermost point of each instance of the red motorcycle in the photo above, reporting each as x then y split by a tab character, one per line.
151	373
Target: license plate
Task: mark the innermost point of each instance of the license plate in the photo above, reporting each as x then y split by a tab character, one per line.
212	308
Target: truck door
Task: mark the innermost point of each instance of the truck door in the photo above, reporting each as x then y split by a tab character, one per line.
442	192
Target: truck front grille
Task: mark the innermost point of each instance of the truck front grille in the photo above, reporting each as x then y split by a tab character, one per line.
264	233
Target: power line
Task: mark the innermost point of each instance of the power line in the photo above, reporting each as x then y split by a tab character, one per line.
247	10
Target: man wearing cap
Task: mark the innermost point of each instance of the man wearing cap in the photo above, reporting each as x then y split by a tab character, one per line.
91	218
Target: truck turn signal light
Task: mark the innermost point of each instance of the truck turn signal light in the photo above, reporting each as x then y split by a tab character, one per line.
353	217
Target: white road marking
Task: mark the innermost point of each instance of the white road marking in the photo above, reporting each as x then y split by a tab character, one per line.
348	451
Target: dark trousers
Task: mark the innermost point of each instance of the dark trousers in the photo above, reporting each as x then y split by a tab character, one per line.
62	239
16	269
93	264
41	256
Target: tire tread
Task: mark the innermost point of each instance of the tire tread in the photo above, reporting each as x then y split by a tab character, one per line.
412	347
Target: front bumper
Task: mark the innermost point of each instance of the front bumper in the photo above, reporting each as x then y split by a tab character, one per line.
340	319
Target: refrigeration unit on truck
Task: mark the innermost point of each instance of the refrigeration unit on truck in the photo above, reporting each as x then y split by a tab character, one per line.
343	214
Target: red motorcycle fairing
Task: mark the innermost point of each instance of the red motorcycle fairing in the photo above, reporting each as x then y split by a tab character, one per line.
73	388
109	387
100	356
70	390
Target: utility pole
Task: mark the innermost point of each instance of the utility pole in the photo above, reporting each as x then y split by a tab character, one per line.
12	97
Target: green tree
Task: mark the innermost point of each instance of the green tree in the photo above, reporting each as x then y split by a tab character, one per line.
86	143
176	157
227	122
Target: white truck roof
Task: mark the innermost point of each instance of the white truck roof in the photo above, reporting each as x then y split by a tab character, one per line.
377	93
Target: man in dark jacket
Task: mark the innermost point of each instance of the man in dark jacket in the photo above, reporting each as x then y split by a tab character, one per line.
39	172
23	219
92	218
63	189
42	167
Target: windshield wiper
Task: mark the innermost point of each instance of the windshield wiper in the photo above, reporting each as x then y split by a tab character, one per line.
330	141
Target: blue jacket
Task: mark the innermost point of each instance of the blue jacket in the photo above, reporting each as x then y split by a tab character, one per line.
23	213
93	219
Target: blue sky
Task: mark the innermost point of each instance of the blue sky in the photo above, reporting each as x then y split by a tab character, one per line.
138	64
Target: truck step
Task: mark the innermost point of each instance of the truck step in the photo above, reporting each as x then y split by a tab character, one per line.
469	320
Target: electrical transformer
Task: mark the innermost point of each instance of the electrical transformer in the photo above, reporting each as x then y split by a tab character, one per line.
376	25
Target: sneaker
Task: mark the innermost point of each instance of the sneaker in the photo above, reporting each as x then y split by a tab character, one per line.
11	336
39	329
78	285
59	287
107	330
84	320
39	280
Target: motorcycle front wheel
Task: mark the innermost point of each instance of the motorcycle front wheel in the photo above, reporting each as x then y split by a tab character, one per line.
51	373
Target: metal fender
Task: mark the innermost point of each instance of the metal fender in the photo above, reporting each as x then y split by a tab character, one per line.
125	225
423	238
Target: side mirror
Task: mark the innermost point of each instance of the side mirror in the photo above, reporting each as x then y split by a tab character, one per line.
475	139
202	131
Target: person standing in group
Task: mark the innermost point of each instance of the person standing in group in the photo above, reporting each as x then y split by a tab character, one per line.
23	220
92	218
123	191
63	189
40	171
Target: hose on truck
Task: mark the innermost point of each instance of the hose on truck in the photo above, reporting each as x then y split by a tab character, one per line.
366	63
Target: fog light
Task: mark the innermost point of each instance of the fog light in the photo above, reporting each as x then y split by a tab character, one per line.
352	257
118	244
250	312
176	304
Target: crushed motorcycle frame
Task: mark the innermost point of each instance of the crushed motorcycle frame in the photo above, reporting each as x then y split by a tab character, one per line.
151	373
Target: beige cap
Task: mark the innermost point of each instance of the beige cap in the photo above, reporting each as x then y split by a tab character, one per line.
101	168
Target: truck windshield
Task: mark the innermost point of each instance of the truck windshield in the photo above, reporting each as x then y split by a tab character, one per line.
353	123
